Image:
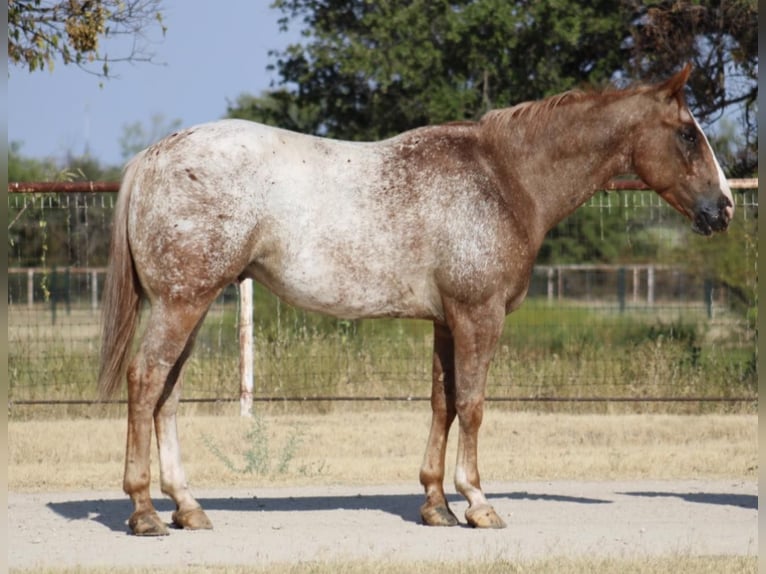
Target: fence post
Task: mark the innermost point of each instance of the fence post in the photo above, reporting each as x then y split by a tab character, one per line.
635	285
94	290
709	297
246	348
550	285
52	293
68	291
621	285
650	285
30	288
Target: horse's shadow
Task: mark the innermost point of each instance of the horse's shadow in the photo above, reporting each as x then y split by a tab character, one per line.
749	501
114	513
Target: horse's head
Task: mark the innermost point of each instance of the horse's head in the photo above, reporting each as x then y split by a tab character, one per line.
674	157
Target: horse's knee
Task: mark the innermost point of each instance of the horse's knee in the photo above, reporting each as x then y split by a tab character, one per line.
470	411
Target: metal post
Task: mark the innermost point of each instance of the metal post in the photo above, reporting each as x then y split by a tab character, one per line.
246	348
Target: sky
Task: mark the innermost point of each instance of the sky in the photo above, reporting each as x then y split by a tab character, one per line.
212	52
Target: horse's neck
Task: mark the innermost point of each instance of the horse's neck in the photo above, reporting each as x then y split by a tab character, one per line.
563	160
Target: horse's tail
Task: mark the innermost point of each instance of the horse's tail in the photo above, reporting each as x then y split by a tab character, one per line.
122	295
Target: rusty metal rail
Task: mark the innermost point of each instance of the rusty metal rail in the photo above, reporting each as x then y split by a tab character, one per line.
64	187
637	184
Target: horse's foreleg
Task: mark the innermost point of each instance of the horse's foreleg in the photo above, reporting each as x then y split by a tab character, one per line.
476	334
189	513
435	511
163	345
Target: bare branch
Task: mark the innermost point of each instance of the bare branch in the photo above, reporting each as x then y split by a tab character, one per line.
41	32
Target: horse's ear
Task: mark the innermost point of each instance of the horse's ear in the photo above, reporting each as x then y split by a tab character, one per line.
673	87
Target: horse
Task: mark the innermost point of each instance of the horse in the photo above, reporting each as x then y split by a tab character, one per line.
441	223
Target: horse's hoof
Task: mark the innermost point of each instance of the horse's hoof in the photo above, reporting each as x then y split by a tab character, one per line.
437	515
194	519
484	516
147	524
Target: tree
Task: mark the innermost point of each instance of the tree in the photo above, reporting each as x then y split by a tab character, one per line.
721	39
21	168
372	69
278	107
42	31
136	136
367	70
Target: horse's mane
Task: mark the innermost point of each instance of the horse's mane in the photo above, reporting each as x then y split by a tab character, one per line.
537	112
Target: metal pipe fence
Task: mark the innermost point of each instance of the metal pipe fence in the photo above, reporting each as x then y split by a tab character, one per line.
659	326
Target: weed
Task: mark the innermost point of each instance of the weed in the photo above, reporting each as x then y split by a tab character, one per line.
258	457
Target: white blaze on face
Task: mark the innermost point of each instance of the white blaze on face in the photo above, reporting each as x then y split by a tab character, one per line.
722	182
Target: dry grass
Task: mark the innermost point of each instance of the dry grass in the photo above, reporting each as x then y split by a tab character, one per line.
546	351
677	564
386	446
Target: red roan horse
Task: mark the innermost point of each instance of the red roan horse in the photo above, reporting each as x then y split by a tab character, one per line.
440	223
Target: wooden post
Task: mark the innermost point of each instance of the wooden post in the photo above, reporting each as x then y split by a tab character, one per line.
246	348
30	288
94	290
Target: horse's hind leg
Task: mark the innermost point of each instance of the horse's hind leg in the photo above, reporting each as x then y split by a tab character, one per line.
435	511
158	361
189	513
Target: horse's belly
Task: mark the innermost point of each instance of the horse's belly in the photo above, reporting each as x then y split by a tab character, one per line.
344	293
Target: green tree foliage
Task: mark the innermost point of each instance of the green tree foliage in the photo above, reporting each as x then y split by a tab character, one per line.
367	70
40	32
371	69
721	39
137	136
732	260
22	168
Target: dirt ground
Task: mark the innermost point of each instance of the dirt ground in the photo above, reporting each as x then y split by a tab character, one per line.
297	524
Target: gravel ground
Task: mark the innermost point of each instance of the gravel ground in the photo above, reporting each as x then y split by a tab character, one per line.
623	519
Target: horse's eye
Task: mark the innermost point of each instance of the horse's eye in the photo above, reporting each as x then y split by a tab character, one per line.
688	134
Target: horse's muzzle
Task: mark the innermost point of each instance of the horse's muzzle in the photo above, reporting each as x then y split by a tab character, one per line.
713	216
